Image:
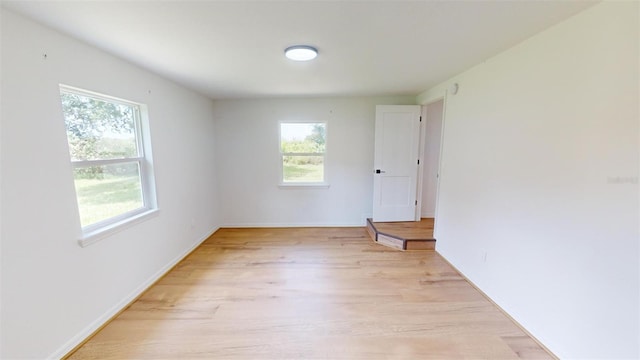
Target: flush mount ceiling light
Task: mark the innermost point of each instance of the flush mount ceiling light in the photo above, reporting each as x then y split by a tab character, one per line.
301	52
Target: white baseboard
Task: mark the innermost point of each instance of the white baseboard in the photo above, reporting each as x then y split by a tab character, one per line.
503	311
100	321
428	215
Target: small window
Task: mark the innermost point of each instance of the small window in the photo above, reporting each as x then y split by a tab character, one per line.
110	169
302	151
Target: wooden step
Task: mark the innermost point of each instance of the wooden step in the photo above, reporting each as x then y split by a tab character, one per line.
400	240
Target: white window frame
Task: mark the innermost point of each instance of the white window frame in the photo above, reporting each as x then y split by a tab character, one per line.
307	184
99	230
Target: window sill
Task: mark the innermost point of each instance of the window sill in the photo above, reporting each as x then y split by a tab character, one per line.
99	234
303	186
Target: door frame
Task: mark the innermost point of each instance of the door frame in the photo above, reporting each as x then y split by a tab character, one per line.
423	134
424	105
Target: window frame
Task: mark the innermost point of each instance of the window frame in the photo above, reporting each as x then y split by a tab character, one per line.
302	184
96	231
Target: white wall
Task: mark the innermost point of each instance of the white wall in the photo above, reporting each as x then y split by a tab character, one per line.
247	140
540	175
54	292
431	158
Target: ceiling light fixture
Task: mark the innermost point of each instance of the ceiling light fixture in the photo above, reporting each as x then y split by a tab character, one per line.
301	52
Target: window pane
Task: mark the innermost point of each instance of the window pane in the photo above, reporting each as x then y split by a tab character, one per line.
302	137
107	191
99	129
303	168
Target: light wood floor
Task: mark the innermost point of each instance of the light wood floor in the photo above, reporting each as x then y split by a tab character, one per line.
410	230
319	293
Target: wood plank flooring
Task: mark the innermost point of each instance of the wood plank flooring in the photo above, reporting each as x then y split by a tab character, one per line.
405	235
310	293
409	230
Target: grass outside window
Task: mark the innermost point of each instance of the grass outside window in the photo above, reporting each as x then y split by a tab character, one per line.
108	157
302	149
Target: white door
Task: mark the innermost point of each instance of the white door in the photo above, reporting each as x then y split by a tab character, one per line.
396	162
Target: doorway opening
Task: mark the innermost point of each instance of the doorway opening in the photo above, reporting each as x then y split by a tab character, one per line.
417	231
431	144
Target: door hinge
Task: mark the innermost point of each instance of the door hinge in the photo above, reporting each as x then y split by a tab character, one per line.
420	118
418	161
416	202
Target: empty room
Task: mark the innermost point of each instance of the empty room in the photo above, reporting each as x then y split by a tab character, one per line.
320	180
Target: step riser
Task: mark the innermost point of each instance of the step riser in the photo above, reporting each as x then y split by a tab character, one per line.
390	242
397	242
420	245
372	231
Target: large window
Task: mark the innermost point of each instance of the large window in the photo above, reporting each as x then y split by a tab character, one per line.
107	152
302	151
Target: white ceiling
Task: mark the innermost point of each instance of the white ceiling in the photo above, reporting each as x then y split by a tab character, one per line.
234	49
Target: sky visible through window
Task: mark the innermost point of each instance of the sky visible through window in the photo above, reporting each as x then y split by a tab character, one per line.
296	131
